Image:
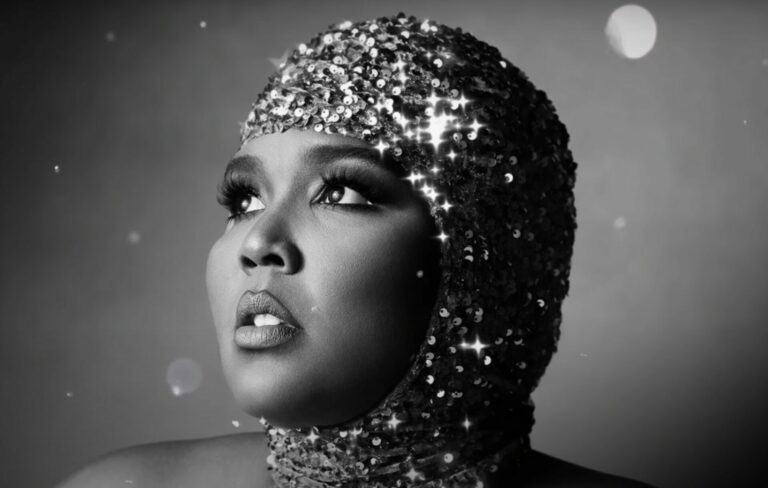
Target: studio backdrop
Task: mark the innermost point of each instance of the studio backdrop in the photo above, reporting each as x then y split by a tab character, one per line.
117	121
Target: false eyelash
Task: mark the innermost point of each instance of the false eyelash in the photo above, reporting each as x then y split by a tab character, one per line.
236	187
232	191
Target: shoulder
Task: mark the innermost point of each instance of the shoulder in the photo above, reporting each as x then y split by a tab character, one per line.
225	461
542	470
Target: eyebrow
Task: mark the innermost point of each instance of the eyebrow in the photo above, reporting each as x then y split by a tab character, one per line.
321	155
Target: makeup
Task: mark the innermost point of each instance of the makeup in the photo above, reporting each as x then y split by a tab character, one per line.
263	321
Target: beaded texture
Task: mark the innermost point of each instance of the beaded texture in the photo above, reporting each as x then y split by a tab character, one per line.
491	157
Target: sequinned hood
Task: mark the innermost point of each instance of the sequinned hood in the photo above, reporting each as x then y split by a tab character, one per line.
487	151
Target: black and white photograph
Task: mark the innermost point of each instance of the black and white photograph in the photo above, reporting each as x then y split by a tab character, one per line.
384	244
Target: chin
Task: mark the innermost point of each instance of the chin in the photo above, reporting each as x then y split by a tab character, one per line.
269	390
294	399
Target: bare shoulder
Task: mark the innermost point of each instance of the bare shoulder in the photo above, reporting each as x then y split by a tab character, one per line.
543	471
230	461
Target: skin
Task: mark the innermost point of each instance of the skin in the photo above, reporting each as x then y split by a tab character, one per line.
228	462
349	277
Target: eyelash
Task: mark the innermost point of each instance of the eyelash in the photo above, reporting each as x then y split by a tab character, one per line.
237	187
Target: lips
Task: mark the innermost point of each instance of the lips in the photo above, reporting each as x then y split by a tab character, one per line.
263	322
252	304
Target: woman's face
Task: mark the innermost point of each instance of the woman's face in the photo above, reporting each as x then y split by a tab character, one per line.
349	248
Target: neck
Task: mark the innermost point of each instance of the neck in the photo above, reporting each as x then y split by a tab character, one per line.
384	450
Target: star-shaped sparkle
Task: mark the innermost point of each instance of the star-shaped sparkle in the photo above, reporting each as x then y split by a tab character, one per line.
443	236
414	177
477	346
398	65
436	129
452	155
475	125
462	101
381	146
467	424
433	99
446	206
430	192
394	422
312	437
413	475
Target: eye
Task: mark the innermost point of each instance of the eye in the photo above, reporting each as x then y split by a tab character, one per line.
338	194
249	203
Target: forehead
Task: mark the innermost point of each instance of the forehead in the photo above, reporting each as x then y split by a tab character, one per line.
306	147
297	142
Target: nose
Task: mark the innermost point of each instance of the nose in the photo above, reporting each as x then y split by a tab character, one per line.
268	243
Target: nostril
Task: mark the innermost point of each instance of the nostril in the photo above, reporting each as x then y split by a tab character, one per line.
269	259
272	259
247	262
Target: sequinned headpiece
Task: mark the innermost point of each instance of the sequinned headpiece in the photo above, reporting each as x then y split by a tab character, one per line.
489	154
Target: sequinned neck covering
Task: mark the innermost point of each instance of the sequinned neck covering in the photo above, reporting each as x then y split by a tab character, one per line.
489	154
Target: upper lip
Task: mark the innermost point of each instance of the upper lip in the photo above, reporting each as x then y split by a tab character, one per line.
252	304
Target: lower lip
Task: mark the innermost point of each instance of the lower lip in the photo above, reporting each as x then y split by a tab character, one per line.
264	337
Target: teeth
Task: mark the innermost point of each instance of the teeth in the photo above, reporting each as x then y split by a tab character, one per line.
263	319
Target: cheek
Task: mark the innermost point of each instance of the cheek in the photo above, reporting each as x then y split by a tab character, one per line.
220	282
369	290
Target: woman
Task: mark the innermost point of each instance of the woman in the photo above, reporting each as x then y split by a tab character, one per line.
387	292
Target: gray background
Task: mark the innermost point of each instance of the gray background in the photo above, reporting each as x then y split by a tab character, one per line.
661	373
